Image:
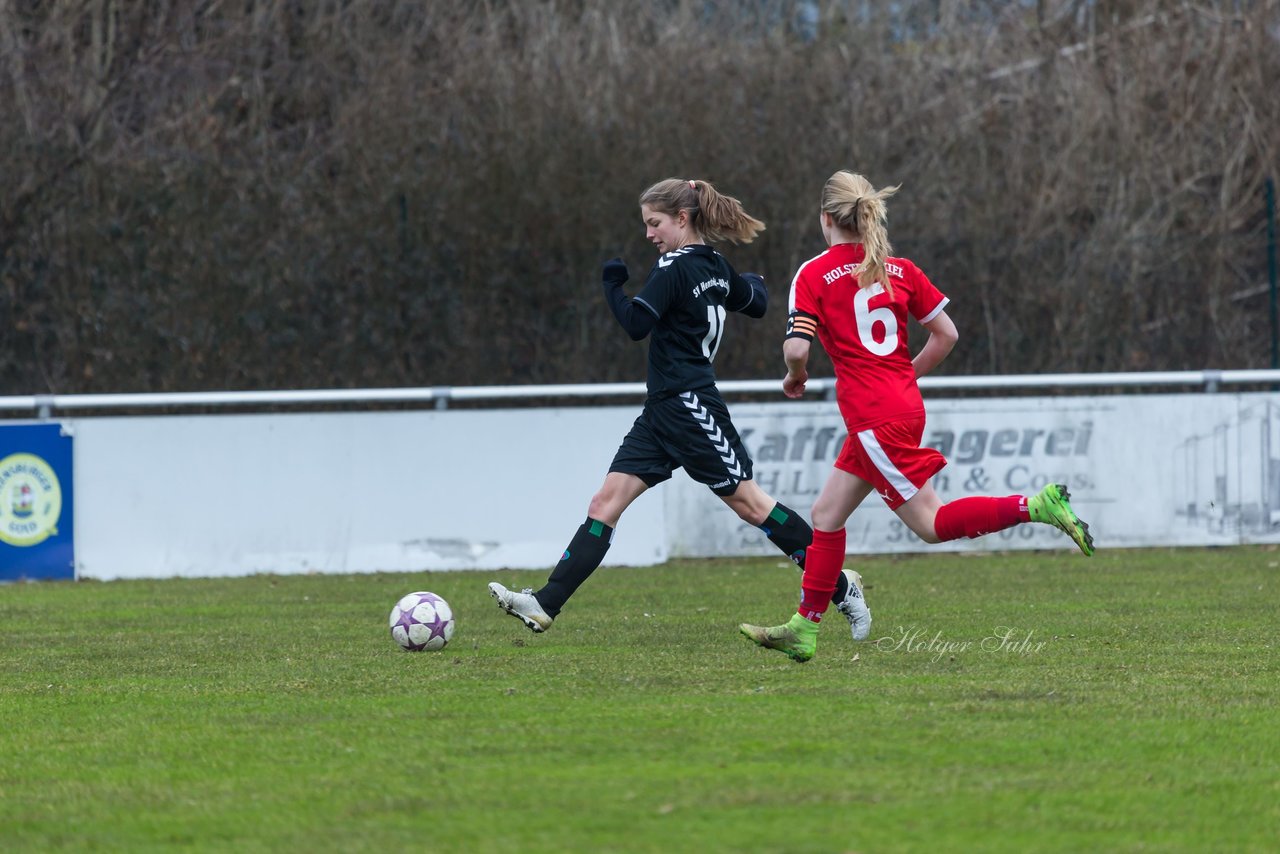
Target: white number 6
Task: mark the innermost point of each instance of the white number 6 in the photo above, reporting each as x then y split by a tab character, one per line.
867	321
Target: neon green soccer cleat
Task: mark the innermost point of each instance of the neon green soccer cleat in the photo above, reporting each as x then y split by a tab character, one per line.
797	639
1051	507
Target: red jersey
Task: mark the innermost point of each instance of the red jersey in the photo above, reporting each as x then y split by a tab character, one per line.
864	331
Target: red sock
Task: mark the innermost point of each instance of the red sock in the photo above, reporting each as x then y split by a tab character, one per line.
822	564
982	514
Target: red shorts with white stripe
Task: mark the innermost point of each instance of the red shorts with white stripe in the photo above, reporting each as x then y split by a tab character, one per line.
889	457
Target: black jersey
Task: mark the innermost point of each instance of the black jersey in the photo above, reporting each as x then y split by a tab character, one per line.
689	292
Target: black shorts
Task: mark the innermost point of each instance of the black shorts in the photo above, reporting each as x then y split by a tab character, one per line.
691	430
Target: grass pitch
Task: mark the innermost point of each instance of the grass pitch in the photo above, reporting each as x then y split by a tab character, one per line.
1016	702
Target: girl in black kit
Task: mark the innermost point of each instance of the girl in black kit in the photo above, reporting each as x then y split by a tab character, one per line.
684	424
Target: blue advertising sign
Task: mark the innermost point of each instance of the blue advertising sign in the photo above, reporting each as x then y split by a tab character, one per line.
36	506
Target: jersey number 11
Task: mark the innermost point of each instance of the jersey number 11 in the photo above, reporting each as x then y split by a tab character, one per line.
715	329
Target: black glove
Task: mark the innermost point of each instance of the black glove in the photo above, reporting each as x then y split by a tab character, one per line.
615	272
755	280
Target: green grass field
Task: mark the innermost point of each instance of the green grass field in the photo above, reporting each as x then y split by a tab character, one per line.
1132	705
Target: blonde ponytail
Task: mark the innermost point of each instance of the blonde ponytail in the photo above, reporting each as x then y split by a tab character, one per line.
857	206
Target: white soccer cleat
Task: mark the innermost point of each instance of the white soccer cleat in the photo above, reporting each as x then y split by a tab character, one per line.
854	606
523	606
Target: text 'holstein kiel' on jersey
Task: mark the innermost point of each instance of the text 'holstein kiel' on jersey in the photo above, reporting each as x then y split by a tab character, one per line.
684	302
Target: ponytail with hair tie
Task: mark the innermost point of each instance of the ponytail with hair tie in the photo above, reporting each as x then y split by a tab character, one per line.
842	197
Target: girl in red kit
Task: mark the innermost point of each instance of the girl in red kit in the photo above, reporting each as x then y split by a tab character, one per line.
855	298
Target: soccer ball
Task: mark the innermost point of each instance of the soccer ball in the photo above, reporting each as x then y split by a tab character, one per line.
421	621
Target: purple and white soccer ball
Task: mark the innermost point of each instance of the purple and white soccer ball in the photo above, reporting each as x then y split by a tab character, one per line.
421	621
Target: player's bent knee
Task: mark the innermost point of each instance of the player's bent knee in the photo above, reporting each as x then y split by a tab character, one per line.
750	502
607	506
597	507
922	528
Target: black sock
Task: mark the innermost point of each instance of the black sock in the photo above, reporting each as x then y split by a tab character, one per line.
586	551
842	588
789	532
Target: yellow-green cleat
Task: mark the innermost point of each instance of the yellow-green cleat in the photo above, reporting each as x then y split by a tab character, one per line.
1051	507
797	639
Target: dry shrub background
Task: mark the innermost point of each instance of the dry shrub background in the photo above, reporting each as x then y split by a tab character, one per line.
277	194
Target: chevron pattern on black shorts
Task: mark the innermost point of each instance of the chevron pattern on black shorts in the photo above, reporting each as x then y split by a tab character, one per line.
707	422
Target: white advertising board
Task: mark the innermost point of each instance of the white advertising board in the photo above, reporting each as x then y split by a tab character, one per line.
219	495
1200	469
211	495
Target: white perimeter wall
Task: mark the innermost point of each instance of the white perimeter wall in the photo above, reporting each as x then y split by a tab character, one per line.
1149	470
357	492
345	492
